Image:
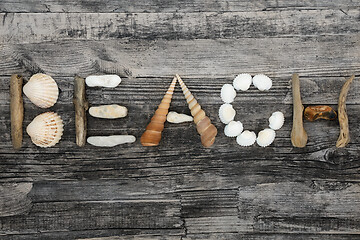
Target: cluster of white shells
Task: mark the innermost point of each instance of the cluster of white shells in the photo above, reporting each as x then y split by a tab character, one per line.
227	112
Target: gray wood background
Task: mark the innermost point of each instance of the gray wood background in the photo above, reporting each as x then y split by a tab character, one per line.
180	190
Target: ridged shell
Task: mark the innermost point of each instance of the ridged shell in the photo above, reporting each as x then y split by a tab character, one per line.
276	121
42	90
233	129
262	82
242	82
228	93
246	138
46	129
265	137
226	113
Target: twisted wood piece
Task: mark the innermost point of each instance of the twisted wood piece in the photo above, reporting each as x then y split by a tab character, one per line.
204	126
152	134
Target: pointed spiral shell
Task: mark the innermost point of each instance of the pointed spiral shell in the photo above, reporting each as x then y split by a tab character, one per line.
152	134
204	126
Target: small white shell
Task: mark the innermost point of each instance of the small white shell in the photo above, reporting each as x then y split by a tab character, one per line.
174	117
42	90
108	111
265	137
228	93
46	129
110	141
226	113
262	82
246	138
242	82
276	121
233	129
103	81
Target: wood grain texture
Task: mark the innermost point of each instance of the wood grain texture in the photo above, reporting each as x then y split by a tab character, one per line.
180	190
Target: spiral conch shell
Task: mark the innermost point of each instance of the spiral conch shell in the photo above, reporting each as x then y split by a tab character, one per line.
42	90
204	126
46	129
152	134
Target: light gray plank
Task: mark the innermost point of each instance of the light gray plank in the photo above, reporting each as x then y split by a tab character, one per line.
14	198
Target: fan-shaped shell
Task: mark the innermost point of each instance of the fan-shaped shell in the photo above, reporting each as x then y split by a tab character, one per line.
242	81
262	82
276	121
246	138
228	93
42	90
46	129
233	129
266	137
226	113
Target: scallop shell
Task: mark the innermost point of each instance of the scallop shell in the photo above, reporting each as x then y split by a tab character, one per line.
46	129
246	138
42	90
266	137
226	113
174	117
228	93
276	121
262	82
233	129
109	81
242	82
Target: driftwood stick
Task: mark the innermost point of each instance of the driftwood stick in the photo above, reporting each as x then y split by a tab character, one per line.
16	110
298	134
81	105
344	136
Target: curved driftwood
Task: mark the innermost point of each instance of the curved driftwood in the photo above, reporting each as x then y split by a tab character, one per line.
81	105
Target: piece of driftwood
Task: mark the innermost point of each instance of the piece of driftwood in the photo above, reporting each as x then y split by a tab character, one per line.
16	110
344	136
152	134
81	105
298	134
313	113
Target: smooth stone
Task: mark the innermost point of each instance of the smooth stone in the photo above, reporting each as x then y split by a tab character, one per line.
175	117
103	81
110	141
108	111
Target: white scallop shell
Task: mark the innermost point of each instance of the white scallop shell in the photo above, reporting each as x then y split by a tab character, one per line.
262	82
174	117
226	113
233	129
46	129
242	82
42	90
246	138
228	93
266	137
103	81
110	141
276	121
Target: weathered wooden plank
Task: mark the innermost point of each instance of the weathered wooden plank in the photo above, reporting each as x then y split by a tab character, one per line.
32	27
271	236
277	57
14	198
167	6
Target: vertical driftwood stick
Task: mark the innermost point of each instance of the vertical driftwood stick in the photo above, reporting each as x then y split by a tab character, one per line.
344	137
298	134
16	110
81	105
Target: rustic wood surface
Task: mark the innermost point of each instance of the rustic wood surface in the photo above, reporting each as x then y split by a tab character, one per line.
180	190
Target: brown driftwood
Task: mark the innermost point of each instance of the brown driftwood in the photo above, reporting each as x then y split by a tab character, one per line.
298	134
344	136
16	110
81	105
313	113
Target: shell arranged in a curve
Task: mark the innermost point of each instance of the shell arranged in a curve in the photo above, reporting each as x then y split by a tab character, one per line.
233	129
205	128
262	82
276	121
226	113
152	134
42	90
246	138
227	93
242	81
266	137
45	129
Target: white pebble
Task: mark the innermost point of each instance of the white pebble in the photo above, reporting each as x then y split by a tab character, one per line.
108	111
174	117
110	141
103	81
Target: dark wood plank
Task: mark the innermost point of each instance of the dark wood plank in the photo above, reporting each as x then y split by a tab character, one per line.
32	27
14	198
167	6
